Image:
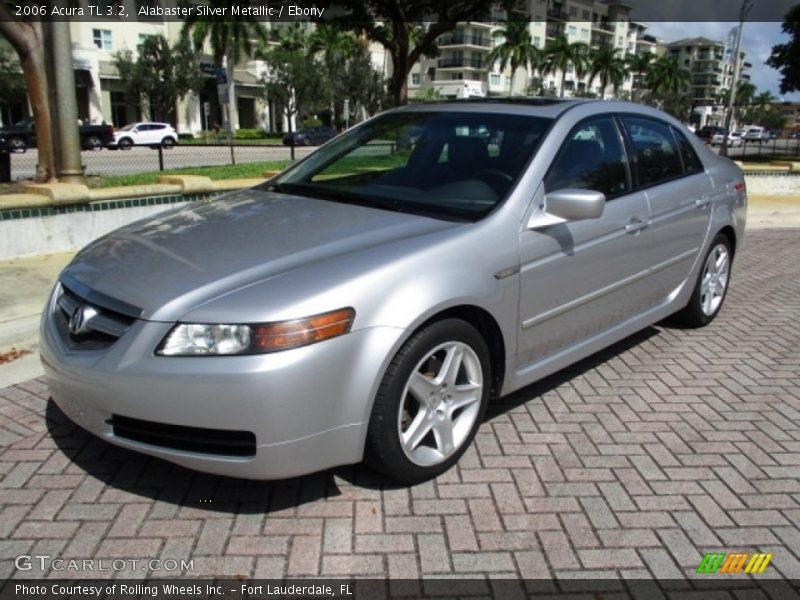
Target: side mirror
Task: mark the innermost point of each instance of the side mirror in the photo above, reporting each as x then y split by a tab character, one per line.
574	204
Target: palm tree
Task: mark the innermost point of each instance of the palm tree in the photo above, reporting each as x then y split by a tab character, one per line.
639	66
293	38
517	50
745	92
764	99
336	46
559	53
667	77
230	38
606	62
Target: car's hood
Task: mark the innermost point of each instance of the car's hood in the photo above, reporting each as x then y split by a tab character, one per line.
170	263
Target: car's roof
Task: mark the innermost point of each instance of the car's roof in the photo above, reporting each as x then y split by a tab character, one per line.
543	107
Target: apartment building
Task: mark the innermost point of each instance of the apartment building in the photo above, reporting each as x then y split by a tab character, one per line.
462	69
710	63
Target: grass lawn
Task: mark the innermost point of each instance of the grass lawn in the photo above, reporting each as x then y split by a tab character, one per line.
240	171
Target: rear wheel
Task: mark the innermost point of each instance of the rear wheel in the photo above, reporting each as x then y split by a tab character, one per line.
17	145
430	402
94	143
711	286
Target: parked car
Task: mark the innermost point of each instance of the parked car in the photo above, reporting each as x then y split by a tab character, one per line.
369	303
735	138
793	135
309	136
756	134
22	135
145	134
707	132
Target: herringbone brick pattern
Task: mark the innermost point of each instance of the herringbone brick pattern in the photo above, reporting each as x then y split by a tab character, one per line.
633	463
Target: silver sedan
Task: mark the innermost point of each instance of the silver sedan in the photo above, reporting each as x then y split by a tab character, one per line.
368	303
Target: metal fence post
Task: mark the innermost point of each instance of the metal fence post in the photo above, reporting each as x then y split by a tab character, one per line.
160	158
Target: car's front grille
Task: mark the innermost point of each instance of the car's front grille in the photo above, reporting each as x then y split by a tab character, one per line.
221	442
99	328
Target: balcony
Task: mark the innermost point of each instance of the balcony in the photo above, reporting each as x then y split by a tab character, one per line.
557	13
603	26
465	40
460	63
553	31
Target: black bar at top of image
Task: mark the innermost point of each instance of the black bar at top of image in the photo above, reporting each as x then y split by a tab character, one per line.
400	589
647	11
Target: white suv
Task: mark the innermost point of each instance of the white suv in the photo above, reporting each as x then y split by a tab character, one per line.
145	134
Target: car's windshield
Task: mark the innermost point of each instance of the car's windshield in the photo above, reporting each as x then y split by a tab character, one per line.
445	164
127	127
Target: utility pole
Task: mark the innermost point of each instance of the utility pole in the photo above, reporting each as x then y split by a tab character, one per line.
69	146
746	6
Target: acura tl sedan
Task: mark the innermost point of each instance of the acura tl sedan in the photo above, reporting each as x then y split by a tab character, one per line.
368	302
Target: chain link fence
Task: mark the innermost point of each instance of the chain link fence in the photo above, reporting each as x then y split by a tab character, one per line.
149	159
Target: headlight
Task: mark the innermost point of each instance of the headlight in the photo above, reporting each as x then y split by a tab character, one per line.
197	339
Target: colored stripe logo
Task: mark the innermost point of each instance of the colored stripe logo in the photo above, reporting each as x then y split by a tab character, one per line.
741	562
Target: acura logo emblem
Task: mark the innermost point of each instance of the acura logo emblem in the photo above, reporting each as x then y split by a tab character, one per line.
80	318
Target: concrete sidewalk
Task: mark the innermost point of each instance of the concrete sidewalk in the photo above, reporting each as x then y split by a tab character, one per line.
26	282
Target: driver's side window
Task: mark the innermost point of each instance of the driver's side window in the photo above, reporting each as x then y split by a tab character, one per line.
591	158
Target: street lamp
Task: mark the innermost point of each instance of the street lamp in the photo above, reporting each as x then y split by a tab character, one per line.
746	6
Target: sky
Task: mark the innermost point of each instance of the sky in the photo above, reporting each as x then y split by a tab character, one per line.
757	41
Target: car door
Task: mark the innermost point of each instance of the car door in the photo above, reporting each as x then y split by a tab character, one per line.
679	193
579	279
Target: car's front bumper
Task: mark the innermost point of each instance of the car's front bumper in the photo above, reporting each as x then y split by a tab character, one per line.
307	408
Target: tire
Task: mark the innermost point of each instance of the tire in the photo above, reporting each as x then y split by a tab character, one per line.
425	414
711	286
125	144
17	145
94	143
168	143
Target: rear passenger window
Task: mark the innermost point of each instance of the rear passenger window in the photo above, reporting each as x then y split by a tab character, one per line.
591	158
655	152
691	162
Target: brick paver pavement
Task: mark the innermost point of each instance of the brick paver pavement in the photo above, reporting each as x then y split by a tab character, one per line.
633	463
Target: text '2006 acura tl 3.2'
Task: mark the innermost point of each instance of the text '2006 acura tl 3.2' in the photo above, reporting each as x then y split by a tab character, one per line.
369	301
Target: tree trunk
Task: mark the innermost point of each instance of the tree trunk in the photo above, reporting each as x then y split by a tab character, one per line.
26	39
398	84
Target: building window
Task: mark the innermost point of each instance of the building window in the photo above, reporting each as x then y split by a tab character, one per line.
537	41
584	34
102	38
570	68
494	79
573	30
415	79
573	11
620	41
586	15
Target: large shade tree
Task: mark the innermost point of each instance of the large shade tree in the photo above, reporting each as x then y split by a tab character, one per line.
160	73
27	40
786	57
516	50
230	39
398	26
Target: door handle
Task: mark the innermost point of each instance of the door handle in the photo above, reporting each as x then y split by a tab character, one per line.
702	201
636	225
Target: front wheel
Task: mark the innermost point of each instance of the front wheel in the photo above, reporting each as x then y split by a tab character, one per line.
711	286
167	143
430	402
125	144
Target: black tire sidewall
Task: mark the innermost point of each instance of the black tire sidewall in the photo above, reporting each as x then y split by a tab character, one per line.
693	314
384	451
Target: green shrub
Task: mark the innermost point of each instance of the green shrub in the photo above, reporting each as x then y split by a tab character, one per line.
249	134
185	136
312	122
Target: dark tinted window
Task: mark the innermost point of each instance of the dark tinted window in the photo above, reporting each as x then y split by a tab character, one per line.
655	151
691	163
591	158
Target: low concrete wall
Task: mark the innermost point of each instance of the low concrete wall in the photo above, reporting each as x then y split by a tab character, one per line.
774	184
59	217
